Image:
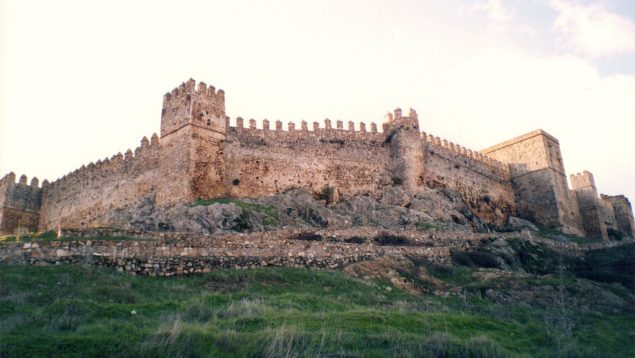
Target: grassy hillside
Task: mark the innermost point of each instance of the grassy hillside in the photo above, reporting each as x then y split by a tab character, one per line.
81	311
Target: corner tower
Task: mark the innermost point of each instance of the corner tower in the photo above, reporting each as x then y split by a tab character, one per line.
539	181
193	131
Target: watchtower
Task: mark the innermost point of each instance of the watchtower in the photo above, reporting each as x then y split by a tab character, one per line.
193	132
406	148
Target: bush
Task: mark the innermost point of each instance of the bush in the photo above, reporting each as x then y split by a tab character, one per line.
474	258
355	240
307	236
397	180
328	193
386	239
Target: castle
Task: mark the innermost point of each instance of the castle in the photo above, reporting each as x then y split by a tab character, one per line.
199	155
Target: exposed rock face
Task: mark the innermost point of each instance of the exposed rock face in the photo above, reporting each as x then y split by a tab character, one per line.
396	209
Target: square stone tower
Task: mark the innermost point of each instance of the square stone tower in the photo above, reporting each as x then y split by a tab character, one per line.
539	180
623	213
193	132
590	209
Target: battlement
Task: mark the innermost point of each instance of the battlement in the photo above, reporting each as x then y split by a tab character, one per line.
193	104
582	180
10	179
397	119
198	154
291	132
291	126
146	147
465	152
191	88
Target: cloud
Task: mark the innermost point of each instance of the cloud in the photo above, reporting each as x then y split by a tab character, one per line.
499	17
502	93
592	30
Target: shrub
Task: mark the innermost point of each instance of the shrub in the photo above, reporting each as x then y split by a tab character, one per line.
307	236
386	239
475	258
355	240
397	180
328	193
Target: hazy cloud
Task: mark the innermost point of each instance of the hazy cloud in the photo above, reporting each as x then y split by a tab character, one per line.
593	30
499	16
506	92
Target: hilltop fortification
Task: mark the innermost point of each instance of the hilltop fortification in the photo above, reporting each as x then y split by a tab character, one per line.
198	155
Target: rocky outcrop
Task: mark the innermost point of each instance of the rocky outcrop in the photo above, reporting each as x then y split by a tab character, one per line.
395	209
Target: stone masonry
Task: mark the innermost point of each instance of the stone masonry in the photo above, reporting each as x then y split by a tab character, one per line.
198	155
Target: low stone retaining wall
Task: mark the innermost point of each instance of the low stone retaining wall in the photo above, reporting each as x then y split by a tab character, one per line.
169	253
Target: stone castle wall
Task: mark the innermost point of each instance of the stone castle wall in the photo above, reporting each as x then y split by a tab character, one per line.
268	161
82	198
483	183
200	156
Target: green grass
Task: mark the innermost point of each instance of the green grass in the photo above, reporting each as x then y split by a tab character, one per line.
82	311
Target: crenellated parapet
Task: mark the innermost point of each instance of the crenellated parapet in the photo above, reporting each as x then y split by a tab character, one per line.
193	104
397	119
84	195
465	156
291	131
115	164
10	180
198	155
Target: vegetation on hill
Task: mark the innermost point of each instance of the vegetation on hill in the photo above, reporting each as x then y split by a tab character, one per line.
465	310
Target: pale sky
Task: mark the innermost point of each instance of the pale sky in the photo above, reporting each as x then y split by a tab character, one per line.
83	80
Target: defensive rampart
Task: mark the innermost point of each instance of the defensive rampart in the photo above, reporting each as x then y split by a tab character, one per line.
201	156
268	161
83	197
483	183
